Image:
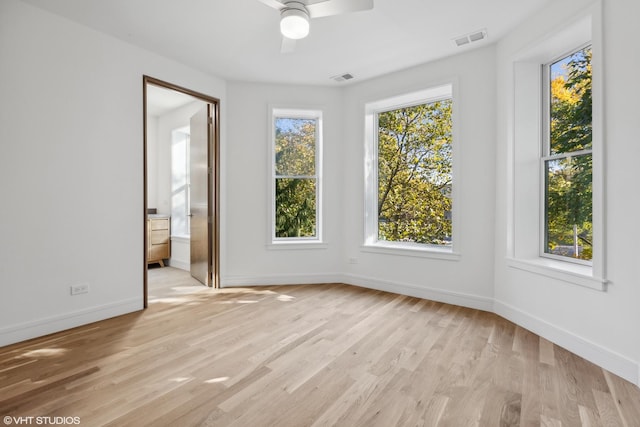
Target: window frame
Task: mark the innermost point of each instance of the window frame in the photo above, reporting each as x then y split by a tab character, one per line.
524	222
184	130
546	154
275	113
437	91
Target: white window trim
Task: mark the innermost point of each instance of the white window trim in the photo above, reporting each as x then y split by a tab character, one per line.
547	156
315	242
436	91
524	251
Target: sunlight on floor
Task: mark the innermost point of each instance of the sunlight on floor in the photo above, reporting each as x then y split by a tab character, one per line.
187	300
245	291
216	380
176	287
237	302
188	289
45	352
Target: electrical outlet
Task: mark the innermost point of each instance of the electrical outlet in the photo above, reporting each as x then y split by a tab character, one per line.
353	260
82	288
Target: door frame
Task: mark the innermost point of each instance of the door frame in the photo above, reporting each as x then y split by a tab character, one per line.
214	187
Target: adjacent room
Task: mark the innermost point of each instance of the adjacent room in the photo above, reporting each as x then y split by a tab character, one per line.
319	212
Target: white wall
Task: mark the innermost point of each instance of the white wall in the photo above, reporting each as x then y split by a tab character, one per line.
250	261
468	281
71	169
152	162
600	326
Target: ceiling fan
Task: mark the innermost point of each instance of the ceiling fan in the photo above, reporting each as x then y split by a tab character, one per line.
295	15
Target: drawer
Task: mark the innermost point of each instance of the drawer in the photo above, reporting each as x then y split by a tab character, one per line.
157	252
158	237
159	224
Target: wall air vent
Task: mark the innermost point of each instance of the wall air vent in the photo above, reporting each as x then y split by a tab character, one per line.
342	77
471	37
462	41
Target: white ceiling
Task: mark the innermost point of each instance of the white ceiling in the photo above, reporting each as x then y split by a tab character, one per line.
240	40
161	101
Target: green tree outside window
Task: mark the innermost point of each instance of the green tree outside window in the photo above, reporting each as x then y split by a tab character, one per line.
295	177
415	174
568	165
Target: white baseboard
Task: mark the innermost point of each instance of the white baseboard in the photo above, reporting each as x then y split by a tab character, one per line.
457	298
434	294
601	356
45	326
280	279
179	264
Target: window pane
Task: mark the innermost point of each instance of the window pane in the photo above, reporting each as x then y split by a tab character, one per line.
414	174
180	182
295	207
569	230
295	146
571	111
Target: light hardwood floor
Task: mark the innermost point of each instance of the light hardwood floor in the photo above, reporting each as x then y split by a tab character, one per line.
307	356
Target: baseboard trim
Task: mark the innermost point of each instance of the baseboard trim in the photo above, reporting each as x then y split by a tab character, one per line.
41	327
434	294
601	356
280	279
456	298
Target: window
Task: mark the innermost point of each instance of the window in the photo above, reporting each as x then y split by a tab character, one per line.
567	158
296	175
410	171
180	182
555	223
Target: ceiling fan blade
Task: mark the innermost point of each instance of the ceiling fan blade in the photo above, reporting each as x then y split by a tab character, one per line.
338	7
273	3
288	45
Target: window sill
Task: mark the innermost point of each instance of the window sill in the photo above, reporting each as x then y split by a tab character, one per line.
576	274
412	251
180	238
296	245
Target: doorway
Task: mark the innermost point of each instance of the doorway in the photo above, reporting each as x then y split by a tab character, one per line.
181	145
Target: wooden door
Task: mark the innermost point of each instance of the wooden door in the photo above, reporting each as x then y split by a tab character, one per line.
201	199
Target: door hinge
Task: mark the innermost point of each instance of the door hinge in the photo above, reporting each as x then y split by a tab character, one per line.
210	120
210	219
210	171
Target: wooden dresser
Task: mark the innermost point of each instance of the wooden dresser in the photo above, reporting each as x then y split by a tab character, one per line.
158	241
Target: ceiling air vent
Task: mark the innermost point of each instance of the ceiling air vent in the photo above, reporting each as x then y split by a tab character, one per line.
471	37
342	77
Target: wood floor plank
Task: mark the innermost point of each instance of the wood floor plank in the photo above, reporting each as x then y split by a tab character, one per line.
571	393
550	406
588	417
626	399
306	355
546	352
501	408
607	410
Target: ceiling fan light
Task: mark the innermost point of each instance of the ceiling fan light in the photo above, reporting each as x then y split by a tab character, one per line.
294	24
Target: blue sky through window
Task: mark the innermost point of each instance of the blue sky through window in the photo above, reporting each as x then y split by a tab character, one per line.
561	67
285	124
